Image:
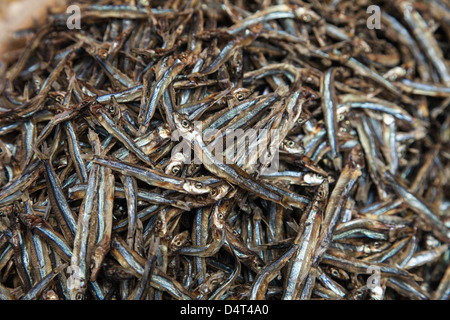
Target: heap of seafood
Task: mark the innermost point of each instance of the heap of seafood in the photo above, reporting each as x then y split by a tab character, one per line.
206	150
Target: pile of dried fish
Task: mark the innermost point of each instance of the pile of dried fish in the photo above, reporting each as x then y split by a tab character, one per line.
117	181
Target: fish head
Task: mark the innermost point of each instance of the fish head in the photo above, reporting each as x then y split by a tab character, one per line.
185	128
173	168
338	273
179	240
220	191
175	164
219	214
241	93
196	187
292	147
313	178
212	281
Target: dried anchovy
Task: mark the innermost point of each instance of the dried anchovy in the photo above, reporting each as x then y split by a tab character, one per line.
118	179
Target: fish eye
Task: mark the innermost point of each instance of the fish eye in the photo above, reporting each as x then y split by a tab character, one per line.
112	109
59	99
240	96
291	143
79	296
341	117
220	215
213	192
335	272
175	169
185	123
199	185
